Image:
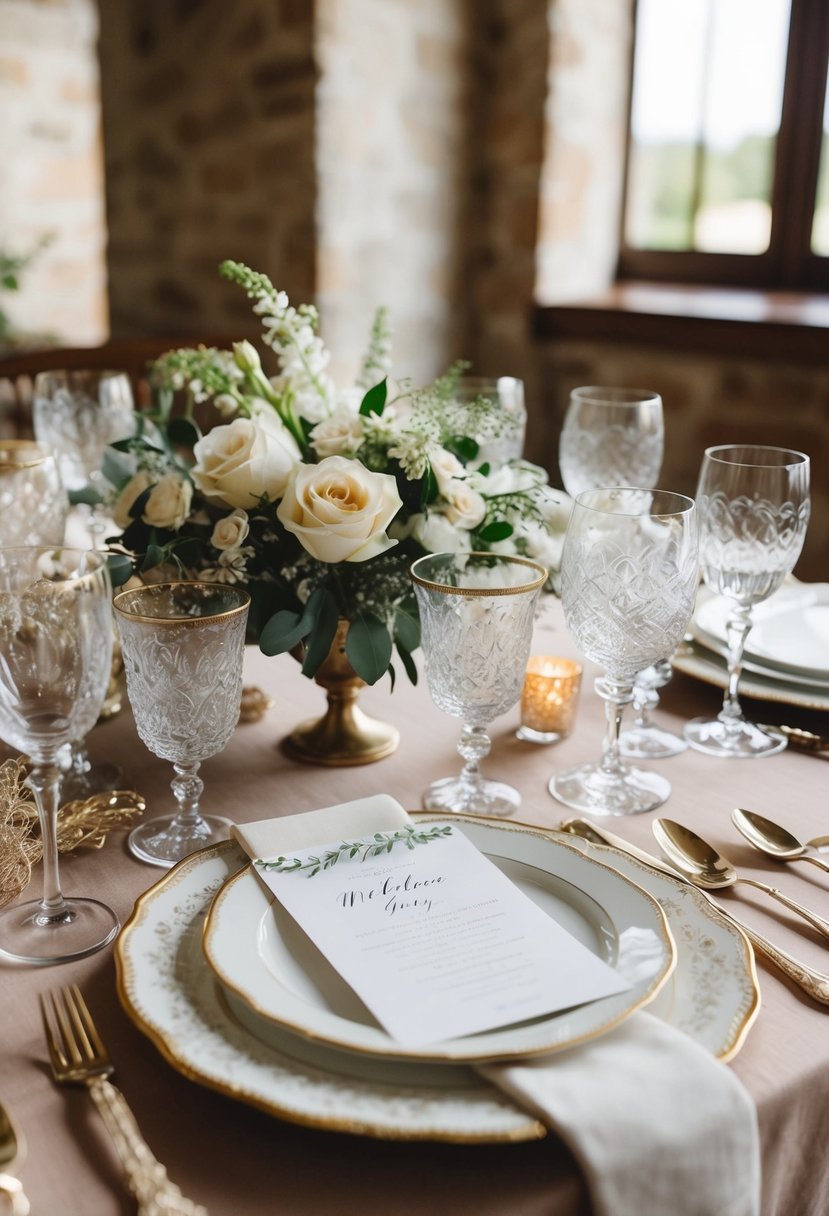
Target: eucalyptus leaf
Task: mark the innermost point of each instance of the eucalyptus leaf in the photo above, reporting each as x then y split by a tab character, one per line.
154	556
407	625
183	432
322	637
120	568
499	529
368	647
408	662
282	632
118	467
86	495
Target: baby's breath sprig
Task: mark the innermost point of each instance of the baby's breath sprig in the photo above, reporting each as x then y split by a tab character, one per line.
350	850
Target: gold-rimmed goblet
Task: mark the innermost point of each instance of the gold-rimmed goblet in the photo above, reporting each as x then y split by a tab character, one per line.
183	647
55	660
476	618
33	501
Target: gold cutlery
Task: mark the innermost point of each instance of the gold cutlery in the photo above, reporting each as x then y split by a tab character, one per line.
813	982
772	839
801	740
78	1056
12	1152
700	862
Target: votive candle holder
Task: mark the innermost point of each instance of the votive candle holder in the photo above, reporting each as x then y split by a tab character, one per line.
549	699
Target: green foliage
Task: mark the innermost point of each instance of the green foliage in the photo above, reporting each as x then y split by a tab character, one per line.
351	850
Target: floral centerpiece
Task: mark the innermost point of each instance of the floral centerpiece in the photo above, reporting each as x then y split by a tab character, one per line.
316	499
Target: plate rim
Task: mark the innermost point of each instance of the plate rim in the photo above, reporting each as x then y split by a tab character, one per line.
792	590
708	667
447	1054
528	1130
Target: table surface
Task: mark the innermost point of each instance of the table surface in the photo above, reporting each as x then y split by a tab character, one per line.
234	1158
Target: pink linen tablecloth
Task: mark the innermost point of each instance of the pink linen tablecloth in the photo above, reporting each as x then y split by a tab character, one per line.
237	1160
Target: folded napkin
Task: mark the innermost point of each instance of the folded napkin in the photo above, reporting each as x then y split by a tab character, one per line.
657	1125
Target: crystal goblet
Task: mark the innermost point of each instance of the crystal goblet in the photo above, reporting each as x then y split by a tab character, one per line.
628	580
476	615
611	437
499	433
55	658
183	647
33	501
753	506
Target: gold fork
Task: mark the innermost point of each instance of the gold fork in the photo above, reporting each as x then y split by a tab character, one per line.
78	1056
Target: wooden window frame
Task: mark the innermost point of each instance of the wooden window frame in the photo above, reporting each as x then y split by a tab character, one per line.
789	263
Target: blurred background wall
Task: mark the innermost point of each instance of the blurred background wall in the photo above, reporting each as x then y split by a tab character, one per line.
460	161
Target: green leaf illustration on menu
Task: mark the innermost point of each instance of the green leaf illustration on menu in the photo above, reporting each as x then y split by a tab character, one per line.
355	850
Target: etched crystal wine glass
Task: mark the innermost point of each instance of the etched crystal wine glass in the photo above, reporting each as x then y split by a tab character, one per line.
55	658
611	437
183	647
476	616
645	740
79	413
628	580
33	501
753	505
500	433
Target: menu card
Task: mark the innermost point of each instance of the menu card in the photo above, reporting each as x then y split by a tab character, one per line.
436	941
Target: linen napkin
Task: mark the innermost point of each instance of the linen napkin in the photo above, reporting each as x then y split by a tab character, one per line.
657	1125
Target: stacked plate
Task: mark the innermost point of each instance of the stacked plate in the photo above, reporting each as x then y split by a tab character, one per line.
787	652
236	997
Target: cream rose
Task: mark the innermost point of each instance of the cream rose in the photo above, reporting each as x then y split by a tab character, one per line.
339	435
238	463
438	535
339	510
230	531
445	466
169	502
132	491
465	507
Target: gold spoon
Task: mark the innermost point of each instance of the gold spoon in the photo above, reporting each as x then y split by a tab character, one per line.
12	1151
705	867
801	740
772	839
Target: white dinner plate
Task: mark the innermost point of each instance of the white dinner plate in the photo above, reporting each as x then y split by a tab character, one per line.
174	998
789	634
263	958
694	659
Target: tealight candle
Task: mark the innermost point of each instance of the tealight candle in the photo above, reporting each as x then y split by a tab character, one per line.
548	702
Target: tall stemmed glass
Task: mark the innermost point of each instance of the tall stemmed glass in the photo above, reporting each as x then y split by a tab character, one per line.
616	437
79	413
628	579
183	646
644	740
753	505
33	501
55	658
476	616
611	437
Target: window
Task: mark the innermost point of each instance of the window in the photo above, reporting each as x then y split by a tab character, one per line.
728	158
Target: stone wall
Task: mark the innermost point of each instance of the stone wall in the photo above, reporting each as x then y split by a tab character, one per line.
209	135
52	177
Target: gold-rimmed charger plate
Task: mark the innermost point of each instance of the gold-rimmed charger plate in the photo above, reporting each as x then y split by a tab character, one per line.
270	968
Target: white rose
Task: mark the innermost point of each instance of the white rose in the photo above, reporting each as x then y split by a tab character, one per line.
169	502
339	435
445	466
438	535
231	530
132	491
250	457
465	507
339	510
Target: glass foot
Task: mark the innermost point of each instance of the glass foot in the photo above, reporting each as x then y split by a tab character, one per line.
588	788
650	743
168	838
737	738
29	936
528	735
465	798
76	787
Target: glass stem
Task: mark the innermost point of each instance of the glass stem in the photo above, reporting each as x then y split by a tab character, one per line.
473	745
187	786
80	760
44	780
737	631
616	696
